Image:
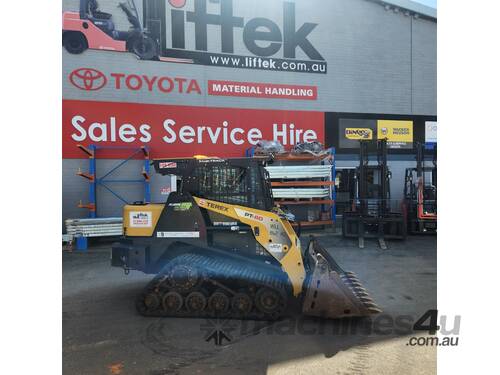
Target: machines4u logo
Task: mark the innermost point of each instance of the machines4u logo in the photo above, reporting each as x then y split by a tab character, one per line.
273	45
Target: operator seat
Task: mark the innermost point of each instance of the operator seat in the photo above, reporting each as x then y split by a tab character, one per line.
96	13
101	19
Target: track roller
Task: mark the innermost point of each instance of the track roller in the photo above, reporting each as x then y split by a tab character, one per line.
241	304
147	302
269	302
196	302
219	303
171	302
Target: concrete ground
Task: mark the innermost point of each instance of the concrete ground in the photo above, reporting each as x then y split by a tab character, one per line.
102	333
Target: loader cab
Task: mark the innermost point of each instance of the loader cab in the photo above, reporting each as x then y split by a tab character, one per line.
238	181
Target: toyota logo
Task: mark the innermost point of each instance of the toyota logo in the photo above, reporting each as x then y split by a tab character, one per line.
88	79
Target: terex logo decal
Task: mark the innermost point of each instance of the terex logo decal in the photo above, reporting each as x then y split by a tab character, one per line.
214	206
217	207
88	79
261	36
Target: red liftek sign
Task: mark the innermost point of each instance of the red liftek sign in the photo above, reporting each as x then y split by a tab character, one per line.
262	90
181	131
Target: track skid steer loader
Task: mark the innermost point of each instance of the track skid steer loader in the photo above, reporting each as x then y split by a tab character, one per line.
218	248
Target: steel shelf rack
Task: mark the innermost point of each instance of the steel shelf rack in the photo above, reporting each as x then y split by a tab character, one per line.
302	183
103	181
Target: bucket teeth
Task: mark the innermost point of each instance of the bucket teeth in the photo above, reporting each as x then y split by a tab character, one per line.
353	284
366	299
348	277
359	290
353	277
351	280
353	298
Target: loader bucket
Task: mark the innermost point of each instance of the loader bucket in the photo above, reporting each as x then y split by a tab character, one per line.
332	292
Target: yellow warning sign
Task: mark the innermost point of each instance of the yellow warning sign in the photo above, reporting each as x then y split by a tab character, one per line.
397	132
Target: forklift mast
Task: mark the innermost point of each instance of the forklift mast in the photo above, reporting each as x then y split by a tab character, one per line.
421	166
417	175
381	177
420	195
371	214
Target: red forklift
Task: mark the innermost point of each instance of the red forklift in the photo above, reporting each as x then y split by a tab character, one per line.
420	192
94	29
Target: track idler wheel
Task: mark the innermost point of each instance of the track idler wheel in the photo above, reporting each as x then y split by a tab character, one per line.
269	302
196	302
147	302
241	304
171	302
219	303
183	278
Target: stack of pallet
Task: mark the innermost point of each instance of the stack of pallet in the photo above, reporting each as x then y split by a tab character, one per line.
305	184
95	227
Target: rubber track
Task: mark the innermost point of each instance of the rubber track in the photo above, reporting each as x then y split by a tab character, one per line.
227	272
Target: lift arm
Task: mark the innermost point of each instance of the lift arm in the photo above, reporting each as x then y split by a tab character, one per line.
275	234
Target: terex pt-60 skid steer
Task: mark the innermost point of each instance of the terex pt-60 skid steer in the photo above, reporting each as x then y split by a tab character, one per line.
219	248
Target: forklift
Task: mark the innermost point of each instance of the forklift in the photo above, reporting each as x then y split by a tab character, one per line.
370	214
94	29
420	192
